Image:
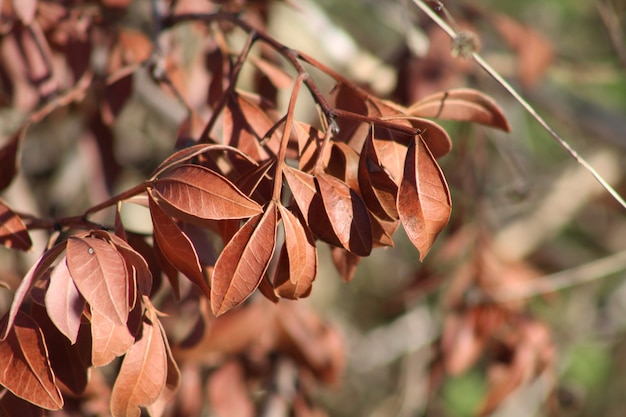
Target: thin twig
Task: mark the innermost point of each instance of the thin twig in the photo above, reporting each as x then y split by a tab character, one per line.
495	75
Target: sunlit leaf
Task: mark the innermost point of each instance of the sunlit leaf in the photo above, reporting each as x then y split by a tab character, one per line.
34	274
194	193
13	231
143	373
243	262
462	104
172	381
378	189
347	214
25	369
176	246
423	199
297	264
99	273
302	187
64	303
110	339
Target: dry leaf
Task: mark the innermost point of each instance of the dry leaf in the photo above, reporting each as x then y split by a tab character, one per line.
13	231
64	304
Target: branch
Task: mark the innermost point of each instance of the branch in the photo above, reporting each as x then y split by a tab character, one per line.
457	37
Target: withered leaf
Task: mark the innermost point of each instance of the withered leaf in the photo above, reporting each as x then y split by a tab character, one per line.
345	263
228	393
434	136
9	158
64	304
344	164
378	189
34	274
463	104
194	193
176	246
25	369
13	231
347	214
99	273
391	149
424	204
172	381
243	262
143	373
274	73
143	276
297	264
302	187
12	405
110	339
25	10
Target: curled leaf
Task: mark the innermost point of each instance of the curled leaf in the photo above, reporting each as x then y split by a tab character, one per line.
424	203
243	262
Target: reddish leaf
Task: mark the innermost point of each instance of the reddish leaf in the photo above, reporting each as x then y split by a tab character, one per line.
25	10
434	136
143	276
378	189
275	74
172	381
347	214
110	339
64	303
345	263
99	273
143	373
13	231
462	104
309	144
34	274
383	230
344	164
25	369
297	264
194	193
177	247
228	394
243	262
11	405
423	199
70	362
9	158
391	149
302	187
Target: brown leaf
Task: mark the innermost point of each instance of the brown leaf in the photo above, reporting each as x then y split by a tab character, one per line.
275	74
391	149
11	405
110	339
25	10
13	231
309	144
302	187
434	136
194	194
344	164
345	263
378	189
70	361
132	258
462	104
25	369
31	277
424	203
243	262
297	264
64	304
9	158
228	394
461	345
172	381
347	214
143	374
176	246
99	273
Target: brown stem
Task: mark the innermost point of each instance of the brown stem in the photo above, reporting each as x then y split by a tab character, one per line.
131	192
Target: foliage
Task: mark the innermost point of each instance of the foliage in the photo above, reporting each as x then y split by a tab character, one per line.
110	319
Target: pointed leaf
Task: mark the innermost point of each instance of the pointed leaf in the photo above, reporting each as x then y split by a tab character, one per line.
25	369
423	199
345	263
9	158
172	381
194	193
176	246
143	373
434	136
99	273
64	303
347	214
139	264
243	262
34	274
13	231
302	187
462	104
378	189
110	339
297	264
